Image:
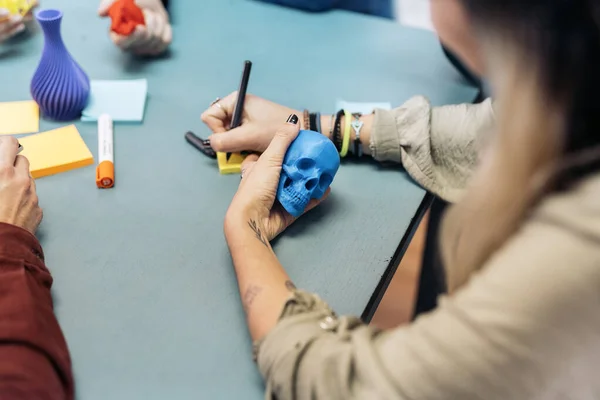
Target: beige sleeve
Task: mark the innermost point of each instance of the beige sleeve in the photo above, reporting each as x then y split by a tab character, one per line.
525	327
437	146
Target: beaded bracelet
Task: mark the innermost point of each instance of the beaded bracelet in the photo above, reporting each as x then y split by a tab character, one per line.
337	129
306	117
331	128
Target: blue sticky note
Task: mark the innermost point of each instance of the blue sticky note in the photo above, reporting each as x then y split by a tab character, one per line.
363	108
123	100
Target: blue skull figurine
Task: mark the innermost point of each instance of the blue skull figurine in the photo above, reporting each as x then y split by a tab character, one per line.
309	166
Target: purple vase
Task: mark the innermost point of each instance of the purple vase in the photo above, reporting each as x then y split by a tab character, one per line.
59	85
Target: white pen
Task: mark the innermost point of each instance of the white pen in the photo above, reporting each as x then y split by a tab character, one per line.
105	171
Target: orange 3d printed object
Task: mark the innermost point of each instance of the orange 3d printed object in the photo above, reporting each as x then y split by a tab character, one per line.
125	16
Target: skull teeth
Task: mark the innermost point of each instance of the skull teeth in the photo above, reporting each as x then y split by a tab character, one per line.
296	197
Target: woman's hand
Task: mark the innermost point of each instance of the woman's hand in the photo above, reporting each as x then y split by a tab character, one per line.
254	218
151	39
18	198
261	119
10	25
254	203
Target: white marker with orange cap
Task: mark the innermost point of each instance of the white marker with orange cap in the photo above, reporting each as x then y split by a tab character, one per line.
105	171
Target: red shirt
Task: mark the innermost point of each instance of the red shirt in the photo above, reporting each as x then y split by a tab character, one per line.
34	358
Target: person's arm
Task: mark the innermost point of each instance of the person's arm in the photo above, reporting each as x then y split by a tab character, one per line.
525	326
306	5
438	146
34	359
381	8
252	220
263	283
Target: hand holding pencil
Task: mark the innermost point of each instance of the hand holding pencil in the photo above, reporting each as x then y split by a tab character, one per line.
240	122
260	120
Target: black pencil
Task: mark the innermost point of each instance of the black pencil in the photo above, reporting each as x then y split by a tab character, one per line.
238	111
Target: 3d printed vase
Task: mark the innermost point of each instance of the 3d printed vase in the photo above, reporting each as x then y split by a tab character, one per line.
59	85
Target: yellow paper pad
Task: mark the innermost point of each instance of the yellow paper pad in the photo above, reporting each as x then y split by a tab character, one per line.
15	7
234	166
19	117
56	151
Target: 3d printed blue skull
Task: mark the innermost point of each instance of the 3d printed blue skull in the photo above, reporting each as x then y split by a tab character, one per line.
309	166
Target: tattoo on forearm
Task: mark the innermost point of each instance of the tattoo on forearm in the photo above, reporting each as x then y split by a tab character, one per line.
254	226
249	296
290	286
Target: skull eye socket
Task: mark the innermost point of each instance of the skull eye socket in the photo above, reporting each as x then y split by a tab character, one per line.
311	183
325	180
305	163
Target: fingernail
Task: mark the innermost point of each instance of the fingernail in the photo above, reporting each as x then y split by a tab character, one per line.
292	119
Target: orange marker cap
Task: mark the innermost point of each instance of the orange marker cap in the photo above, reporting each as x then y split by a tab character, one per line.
105	175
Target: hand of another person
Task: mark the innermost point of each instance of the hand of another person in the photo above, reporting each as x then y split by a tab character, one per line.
18	198
260	121
151	39
10	25
28	18
255	199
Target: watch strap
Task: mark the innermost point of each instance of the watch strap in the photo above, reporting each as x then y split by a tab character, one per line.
357	125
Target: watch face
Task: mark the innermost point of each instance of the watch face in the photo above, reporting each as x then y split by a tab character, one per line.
357	124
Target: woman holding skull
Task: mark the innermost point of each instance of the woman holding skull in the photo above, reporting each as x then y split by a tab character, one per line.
520	246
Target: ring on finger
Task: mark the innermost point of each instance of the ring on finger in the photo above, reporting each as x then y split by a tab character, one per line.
216	103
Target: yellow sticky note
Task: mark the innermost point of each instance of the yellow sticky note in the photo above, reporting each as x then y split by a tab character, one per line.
56	151
19	117
21	7
233	166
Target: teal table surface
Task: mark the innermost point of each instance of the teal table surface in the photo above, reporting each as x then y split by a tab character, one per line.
144	287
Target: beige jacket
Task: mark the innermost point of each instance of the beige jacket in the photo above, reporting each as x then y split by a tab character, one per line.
437	146
526	326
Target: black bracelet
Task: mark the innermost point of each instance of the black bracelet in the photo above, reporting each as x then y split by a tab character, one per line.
313	122
331	128
337	130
